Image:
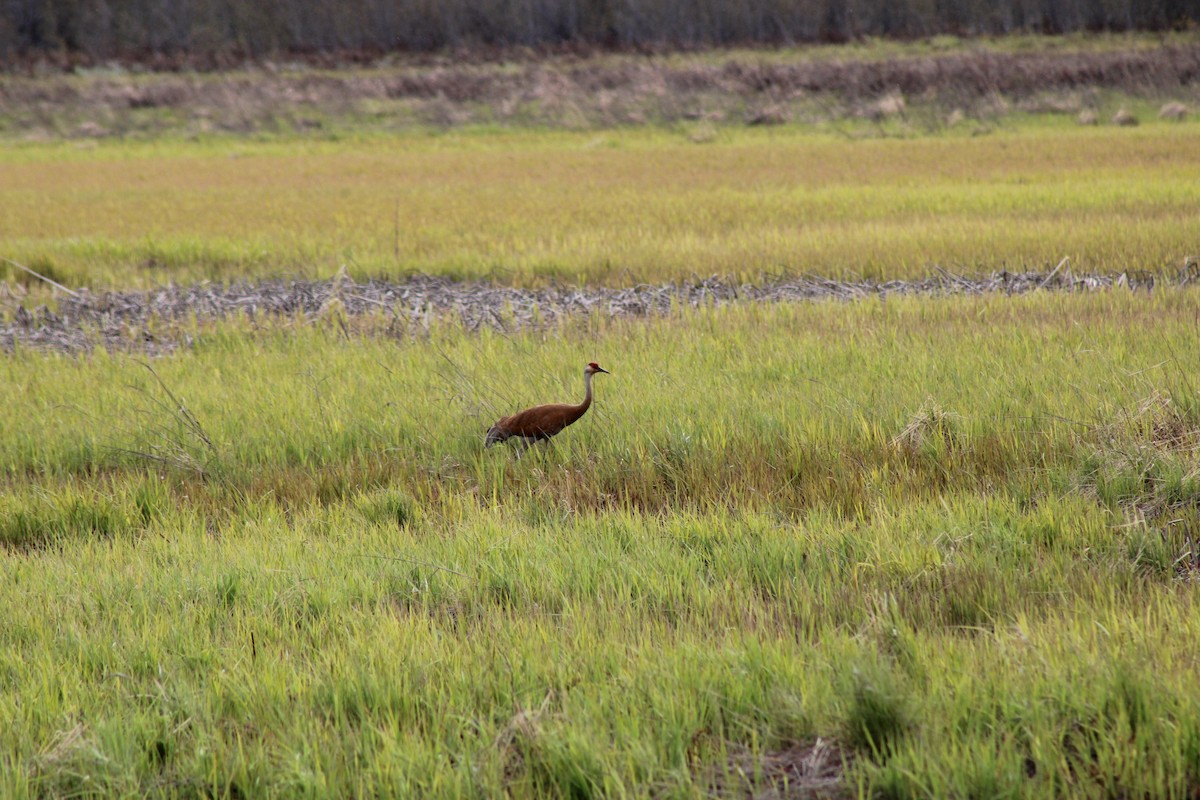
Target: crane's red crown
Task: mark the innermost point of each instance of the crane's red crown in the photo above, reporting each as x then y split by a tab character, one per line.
593	365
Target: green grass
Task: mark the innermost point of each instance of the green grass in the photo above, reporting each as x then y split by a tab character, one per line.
954	537
612	207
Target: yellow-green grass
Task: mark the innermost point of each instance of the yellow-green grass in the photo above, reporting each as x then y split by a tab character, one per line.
950	536
608	207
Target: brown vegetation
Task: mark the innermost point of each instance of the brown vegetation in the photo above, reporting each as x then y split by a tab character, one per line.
1173	111
804	770
595	91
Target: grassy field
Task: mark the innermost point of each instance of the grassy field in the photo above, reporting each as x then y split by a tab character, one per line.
950	541
938	546
612	207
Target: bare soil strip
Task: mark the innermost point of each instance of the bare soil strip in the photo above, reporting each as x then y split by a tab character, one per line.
159	320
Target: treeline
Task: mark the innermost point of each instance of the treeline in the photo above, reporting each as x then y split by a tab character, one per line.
100	29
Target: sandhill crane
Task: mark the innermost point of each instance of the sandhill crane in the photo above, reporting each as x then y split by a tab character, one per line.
539	423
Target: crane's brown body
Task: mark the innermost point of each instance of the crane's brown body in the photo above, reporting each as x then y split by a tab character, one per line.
541	422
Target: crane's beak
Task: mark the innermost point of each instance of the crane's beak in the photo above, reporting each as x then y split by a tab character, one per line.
602	369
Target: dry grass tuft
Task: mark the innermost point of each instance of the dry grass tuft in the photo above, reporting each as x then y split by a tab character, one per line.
930	425
1125	118
1170	428
64	745
774	114
1145	462
886	107
1158	423
519	737
703	132
803	770
1176	112
72	765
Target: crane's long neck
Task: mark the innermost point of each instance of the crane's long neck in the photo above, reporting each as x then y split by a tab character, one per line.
587	392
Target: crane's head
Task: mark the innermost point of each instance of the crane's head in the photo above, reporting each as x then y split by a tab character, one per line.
593	368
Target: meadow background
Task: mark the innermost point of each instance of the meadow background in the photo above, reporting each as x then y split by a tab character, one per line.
605	208
876	160
896	547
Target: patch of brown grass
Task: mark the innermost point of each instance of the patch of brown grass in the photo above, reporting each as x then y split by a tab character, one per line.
519	737
573	91
1158	422
930	424
802	770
